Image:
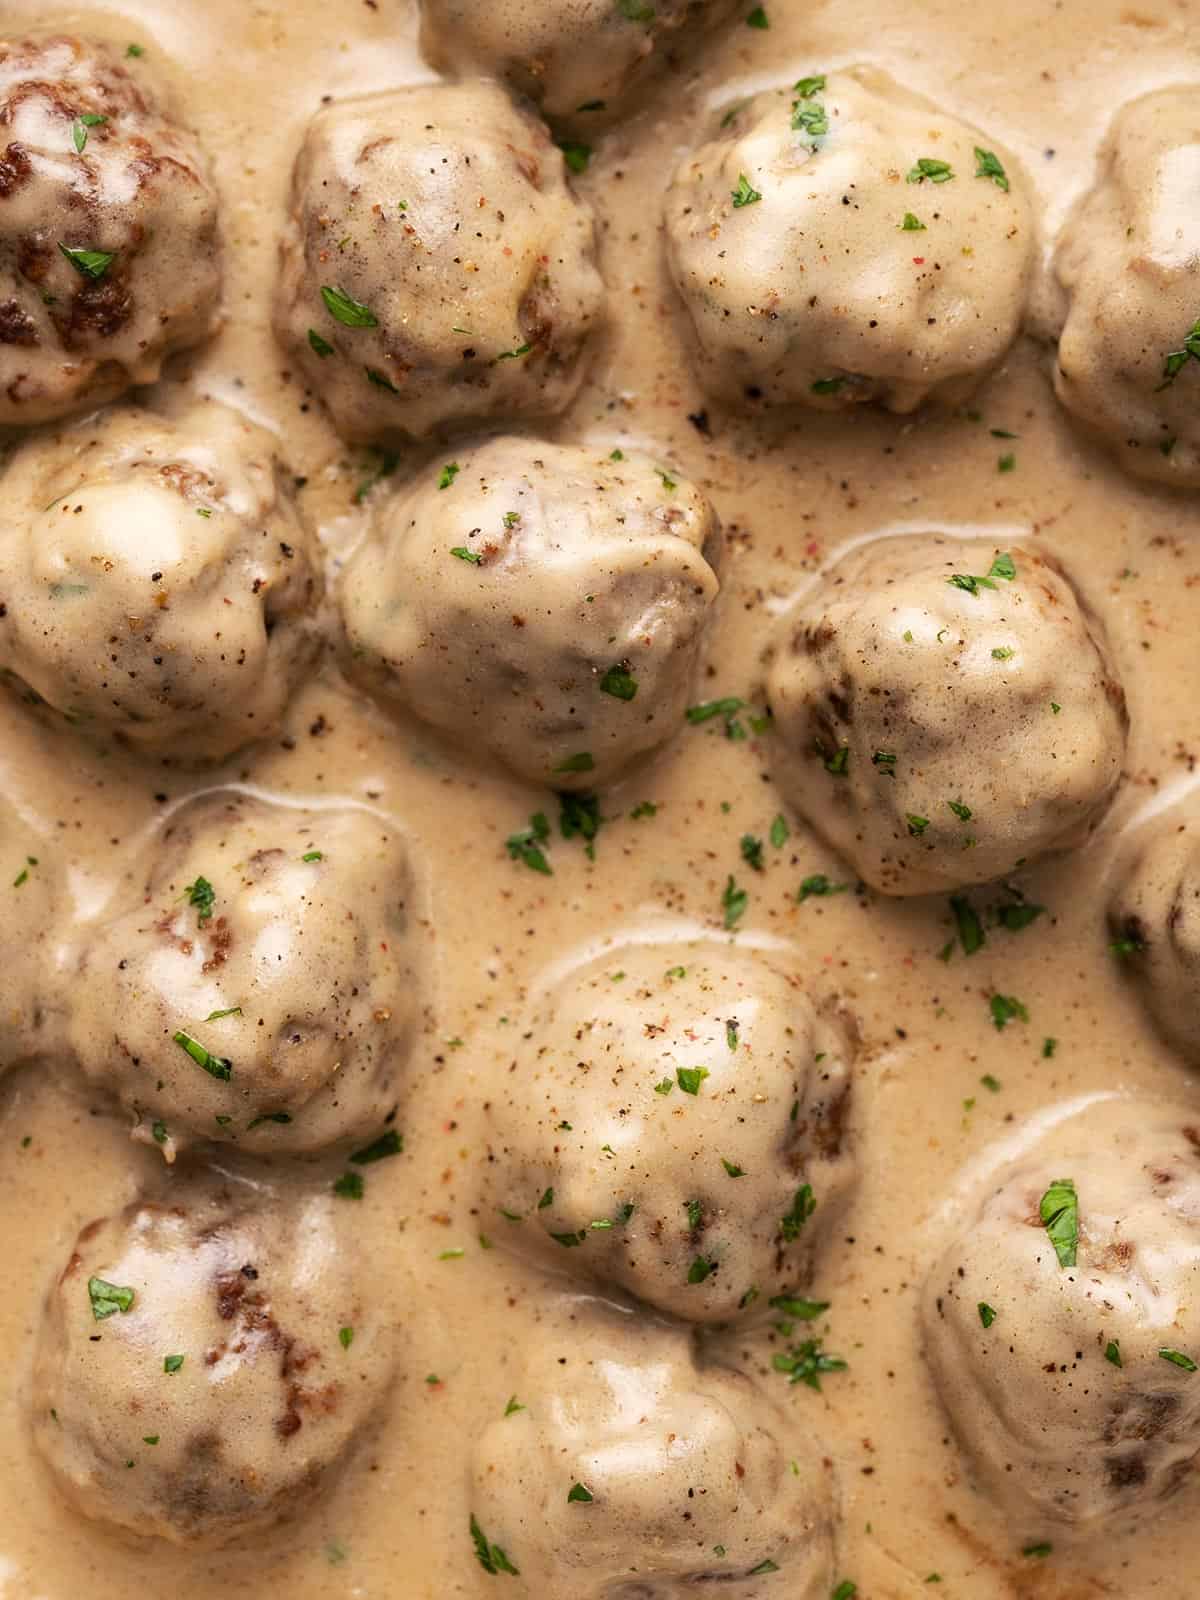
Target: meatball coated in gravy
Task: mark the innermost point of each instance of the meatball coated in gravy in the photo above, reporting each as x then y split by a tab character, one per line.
192	1382
109	251
675	1124
436	270
158	584
580	61
1154	917
945	711
256	985
545	603
843	241
1062	1322
1128	263
632	1472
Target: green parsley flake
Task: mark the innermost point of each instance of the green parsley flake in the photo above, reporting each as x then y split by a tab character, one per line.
928	167
745	194
109	1298
350	1186
463	554
89	263
172	1364
1178	1359
1059	1211
216	1066
576	155
733	903
987	1314
912	224
491	1557
1006	1008
202	895
448	474
388	1144
804	1203
758	18
578	1495
619	682
343	308
818	885
700	1269
987	165
690	1078
1112	1353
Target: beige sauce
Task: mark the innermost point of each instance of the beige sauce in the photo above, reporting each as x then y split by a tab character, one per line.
1045	80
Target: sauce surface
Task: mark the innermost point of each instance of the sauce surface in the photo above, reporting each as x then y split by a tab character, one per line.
1044	79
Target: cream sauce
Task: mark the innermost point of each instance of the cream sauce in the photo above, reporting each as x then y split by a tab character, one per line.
1046	80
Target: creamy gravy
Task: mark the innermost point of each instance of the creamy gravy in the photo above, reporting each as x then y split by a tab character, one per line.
1045	79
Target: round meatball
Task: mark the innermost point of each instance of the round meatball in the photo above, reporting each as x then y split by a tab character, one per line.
945	711
1154	912
109	254
1062	1323
843	241
157	582
580	61
544	603
256	985
205	1365
436	269
1128	262
675	1124
631	1473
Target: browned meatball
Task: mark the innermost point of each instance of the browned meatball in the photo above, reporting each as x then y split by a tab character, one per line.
437	271
205	1366
109	257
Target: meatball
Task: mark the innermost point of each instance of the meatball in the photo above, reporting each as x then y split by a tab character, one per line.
256	985
631	1473
544	603
205	1365
815	275
945	711
1154	912
581	62
1062	1323
436	269
675	1124
109	255
157	582
1128	263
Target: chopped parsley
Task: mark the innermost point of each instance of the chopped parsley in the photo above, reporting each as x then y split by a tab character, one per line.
731	1033
512	355
752	852
664	1086
1178	359
689	1079
799	1309
970	930
839	762
700	1269
448	474
804	1203
733	902
89	263
912	224
1178	1359
491	1557
345	1337
576	154
1112	1352
322	347
758	18
172	1364
463	554
829	385
928	167
987	165
745	194
109	1298
619	682
779	832
513	1406
846	1590
388	1144
578	1495
1006	1008
216	1066
987	1313
526	846
202	895
817	884
344	308
916	825
1059	1211
579	818
807	1363
732	1168
581	762
350	1186
79	128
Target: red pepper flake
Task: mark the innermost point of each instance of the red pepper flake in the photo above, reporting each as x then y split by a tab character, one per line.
918	261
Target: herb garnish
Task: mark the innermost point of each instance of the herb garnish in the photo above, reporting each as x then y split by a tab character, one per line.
620	682
216	1066
388	1144
202	895
928	167
987	165
1059	1211
109	1298
345	309
89	263
490	1556
804	1203
745	194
